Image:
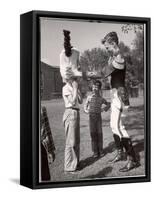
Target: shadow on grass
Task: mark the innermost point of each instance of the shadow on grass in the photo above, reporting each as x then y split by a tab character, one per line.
90	160
101	173
87	162
110	148
138	147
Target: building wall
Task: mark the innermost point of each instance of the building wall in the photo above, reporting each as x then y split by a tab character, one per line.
52	82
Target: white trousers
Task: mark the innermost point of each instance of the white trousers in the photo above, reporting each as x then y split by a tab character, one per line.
116	116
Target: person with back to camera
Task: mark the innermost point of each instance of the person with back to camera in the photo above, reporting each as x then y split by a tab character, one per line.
69	64
71	121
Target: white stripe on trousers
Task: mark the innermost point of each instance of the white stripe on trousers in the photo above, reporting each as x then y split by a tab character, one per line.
116	120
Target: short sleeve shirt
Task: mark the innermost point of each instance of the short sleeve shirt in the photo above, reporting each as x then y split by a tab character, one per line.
95	103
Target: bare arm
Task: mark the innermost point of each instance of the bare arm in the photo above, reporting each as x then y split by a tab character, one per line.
75	92
86	106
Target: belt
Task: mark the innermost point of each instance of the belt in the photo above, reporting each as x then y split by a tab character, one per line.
77	109
94	113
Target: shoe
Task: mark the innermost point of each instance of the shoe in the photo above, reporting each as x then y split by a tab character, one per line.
129	166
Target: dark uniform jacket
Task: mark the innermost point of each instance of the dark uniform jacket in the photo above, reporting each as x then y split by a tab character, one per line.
117	70
118	78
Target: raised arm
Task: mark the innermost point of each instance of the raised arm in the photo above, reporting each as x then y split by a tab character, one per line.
75	92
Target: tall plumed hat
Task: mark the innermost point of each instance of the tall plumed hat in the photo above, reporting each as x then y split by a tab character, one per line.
67	43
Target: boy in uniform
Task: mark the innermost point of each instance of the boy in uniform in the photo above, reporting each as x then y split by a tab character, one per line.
116	69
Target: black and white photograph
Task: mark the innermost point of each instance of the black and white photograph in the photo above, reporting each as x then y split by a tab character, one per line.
92	99
76	100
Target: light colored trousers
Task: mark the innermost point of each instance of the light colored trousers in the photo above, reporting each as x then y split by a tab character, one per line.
116	116
71	120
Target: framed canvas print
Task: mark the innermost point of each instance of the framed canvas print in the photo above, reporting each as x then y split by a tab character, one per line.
85	99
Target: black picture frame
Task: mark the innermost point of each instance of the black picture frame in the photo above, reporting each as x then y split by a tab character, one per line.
30	92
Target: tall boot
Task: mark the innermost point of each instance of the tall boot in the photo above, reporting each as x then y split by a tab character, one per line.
120	154
133	162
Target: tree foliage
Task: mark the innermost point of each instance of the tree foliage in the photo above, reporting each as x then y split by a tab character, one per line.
94	59
137	55
132	27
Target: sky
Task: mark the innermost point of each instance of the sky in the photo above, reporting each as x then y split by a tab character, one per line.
84	35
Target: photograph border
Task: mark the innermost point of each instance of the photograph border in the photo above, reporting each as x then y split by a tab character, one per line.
30	98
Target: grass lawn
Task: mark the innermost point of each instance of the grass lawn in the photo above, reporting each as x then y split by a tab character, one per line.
95	168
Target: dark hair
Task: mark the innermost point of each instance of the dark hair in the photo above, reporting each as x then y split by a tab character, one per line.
97	83
67	44
111	37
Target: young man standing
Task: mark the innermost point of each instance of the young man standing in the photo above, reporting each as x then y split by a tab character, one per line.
119	99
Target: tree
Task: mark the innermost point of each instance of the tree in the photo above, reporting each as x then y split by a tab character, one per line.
126	52
132	27
137	53
138	56
94	60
